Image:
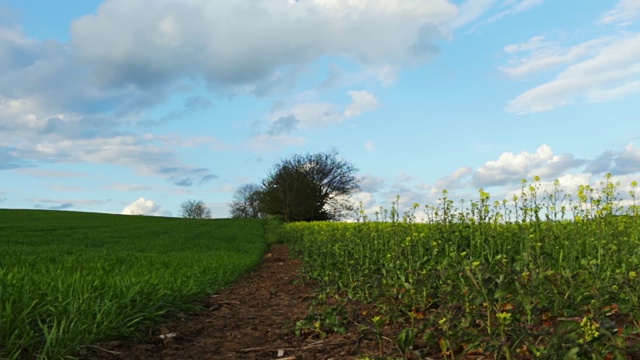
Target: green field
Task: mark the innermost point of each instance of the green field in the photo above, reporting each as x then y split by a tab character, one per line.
542	275
70	279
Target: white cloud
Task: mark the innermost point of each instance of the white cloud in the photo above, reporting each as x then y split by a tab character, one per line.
361	101
371	183
471	10
474	9
627	161
458	179
243	45
534	43
337	76
510	167
129	57
483	12
363	197
612	72
405	177
625	12
616	92
310	115
504	176
568	185
518	7
143	206
140	153
597	70
547	56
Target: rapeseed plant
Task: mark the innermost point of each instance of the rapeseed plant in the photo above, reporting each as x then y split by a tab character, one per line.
548	254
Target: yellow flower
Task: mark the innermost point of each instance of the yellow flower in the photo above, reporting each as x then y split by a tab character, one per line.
504	317
589	330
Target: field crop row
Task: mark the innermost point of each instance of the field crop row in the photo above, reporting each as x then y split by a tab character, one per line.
542	275
72	279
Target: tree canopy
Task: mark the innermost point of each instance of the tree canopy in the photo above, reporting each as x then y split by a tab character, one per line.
195	209
246	202
309	187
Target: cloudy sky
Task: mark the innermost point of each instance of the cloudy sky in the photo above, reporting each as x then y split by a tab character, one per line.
135	106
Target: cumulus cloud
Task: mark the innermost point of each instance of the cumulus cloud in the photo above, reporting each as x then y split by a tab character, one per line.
361	101
143	206
601	164
307	114
283	125
510	167
458	179
503	176
626	161
243	45
92	94
370	183
130	56
364	198
310	114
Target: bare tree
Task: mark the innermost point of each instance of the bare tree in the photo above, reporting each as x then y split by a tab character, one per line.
309	187
195	209
246	202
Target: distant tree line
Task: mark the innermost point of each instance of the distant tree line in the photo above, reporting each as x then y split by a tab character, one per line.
311	187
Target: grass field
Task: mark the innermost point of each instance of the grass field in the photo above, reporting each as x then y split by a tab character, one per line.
542	275
70	279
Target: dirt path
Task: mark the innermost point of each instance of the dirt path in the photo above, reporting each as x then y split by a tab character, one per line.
253	319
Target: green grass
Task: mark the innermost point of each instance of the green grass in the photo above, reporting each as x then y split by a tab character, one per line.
70	279
541	275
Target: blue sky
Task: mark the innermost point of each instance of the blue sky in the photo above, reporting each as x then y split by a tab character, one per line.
126	106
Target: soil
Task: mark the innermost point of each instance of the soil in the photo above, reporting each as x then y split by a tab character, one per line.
253	319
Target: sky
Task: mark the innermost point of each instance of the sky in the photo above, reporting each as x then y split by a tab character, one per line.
121	106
